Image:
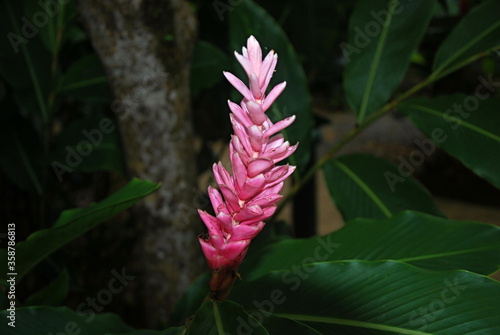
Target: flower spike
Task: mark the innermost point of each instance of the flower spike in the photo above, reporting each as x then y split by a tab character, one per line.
249	195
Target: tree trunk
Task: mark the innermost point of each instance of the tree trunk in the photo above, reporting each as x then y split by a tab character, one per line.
145	47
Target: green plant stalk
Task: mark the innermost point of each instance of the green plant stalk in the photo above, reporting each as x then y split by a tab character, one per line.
440	73
436	75
51	98
55	61
218	320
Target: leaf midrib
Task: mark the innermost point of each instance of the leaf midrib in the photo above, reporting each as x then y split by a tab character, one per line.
365	188
406	260
114	204
218	319
42	233
83	83
445	254
376	60
467	47
348	322
462	122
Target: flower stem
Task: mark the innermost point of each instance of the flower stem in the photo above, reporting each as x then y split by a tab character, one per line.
218	320
221	282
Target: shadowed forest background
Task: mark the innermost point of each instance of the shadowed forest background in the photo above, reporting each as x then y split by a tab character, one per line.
94	93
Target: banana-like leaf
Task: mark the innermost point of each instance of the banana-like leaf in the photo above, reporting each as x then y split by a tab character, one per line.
71	224
52	294
372	187
422	240
44	320
383	36
362	297
216	318
467	127
477	32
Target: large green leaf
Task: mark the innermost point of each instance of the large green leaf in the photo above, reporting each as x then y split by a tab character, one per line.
419	239
383	36
466	127
44	320
250	19
368	186
479	31
216	318
235	320
207	66
52	294
71	224
361	297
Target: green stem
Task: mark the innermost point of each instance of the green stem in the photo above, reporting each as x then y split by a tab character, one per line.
55	60
218	320
440	73
468	45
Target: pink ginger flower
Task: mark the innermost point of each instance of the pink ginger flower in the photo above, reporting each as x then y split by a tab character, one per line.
249	195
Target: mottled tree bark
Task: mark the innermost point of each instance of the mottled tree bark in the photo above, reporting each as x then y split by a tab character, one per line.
145	47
